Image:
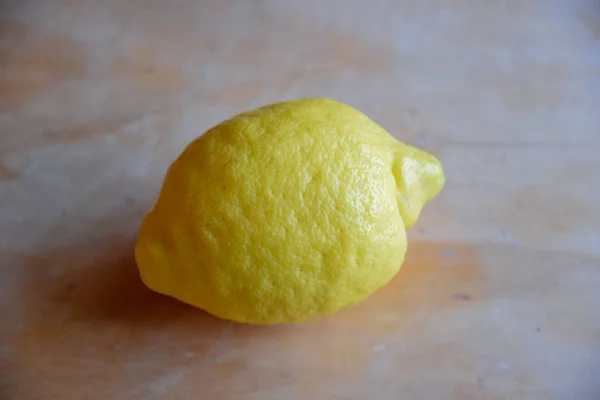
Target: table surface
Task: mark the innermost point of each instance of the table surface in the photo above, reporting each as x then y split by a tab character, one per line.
500	295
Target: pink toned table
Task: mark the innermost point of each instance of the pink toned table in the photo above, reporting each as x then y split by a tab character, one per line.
500	295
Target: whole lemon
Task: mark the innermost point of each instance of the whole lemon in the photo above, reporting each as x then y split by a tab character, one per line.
285	213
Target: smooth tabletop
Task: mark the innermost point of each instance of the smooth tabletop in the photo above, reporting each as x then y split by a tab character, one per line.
500	295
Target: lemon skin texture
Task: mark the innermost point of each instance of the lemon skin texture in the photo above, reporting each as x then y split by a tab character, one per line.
285	213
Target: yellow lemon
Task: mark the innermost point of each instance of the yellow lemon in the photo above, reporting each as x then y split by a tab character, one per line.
285	213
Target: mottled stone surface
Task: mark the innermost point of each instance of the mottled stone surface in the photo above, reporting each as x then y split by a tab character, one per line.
500	295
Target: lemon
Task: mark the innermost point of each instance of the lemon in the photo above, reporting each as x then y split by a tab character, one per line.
285	213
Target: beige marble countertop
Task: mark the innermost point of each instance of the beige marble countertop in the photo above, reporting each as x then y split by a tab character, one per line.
500	295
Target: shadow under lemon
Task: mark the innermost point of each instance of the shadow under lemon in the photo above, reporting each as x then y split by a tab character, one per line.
109	291
97	309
